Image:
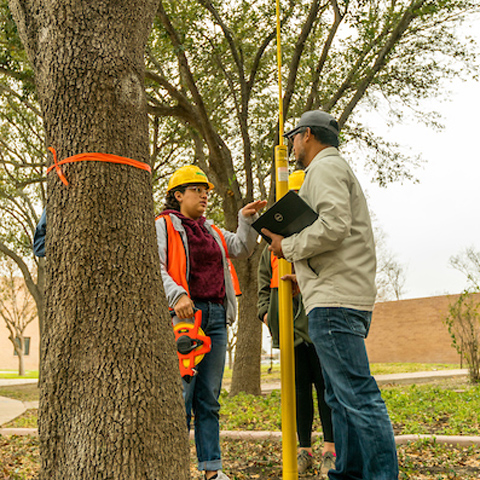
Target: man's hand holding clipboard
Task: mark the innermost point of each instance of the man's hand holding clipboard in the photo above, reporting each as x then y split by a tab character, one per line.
276	243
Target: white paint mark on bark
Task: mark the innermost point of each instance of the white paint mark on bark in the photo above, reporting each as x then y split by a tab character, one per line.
131	90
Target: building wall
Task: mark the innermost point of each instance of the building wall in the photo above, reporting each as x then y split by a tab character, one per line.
412	331
9	361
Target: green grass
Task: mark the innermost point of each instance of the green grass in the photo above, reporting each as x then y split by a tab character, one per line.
29	419
30	392
446	407
274	375
12	374
376	368
443	408
391	368
24	393
264	371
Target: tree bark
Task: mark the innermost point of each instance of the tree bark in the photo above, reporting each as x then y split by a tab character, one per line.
246	368
111	405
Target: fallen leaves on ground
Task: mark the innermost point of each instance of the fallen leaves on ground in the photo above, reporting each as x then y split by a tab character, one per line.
422	460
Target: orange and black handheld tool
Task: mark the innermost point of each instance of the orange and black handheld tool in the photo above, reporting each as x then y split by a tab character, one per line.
192	345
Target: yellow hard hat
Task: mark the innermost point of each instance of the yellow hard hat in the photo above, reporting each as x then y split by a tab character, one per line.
295	180
188	174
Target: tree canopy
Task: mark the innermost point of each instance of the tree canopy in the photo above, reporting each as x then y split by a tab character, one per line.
212	75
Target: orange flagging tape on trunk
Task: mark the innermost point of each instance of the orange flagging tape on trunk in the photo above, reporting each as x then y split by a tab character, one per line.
93	157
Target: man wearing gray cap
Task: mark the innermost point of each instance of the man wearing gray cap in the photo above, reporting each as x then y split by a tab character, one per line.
335	265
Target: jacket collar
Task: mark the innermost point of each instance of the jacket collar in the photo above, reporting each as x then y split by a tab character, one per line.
326	152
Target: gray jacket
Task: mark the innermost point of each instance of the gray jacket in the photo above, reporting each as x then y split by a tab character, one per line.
239	244
335	256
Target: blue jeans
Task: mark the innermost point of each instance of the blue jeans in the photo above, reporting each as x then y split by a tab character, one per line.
201	394
364	439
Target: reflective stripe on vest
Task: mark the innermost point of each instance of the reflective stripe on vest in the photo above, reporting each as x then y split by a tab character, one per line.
274	264
177	258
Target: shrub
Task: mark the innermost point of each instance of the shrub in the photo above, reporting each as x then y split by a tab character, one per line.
463	322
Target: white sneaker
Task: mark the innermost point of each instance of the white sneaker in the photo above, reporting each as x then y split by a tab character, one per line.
220	476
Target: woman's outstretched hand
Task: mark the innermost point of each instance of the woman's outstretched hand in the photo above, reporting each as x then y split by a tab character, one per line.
252	208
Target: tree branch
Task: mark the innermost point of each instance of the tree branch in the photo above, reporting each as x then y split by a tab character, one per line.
31	285
261	50
10	91
323	57
297	53
219	152
172	91
26	26
409	15
231	42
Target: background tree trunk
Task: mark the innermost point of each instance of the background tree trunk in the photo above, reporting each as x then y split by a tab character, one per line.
246	368
110	402
21	360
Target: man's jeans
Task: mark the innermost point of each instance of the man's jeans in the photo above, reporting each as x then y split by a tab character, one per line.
364	439
201	394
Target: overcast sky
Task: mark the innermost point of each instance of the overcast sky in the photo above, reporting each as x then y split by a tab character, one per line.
428	222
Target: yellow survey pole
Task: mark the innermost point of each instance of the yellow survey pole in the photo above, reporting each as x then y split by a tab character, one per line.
285	307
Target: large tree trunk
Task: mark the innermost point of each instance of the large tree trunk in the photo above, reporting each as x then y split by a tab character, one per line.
246	368
110	404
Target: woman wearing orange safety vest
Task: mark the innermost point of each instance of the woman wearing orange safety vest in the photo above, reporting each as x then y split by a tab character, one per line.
197	274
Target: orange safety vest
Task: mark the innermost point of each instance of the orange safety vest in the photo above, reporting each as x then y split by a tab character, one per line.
274	264
177	258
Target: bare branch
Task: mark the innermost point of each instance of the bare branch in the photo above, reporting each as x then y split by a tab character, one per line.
311	102
231	43
409	15
297	53
32	287
12	92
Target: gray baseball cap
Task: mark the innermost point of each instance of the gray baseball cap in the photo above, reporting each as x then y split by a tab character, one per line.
315	118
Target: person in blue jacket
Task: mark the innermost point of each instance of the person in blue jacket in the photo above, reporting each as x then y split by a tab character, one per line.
39	236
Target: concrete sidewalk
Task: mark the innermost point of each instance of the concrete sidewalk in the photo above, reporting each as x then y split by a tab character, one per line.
10	409
10	382
399	378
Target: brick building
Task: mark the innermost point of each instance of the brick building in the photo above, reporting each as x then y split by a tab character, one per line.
412	331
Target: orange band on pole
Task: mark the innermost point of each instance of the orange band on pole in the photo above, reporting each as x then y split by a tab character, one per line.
93	157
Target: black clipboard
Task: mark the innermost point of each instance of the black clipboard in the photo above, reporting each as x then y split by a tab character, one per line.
289	215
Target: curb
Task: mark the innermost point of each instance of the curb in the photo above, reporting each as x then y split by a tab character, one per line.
458	440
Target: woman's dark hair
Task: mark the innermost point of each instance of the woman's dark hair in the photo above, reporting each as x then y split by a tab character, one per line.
171	203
